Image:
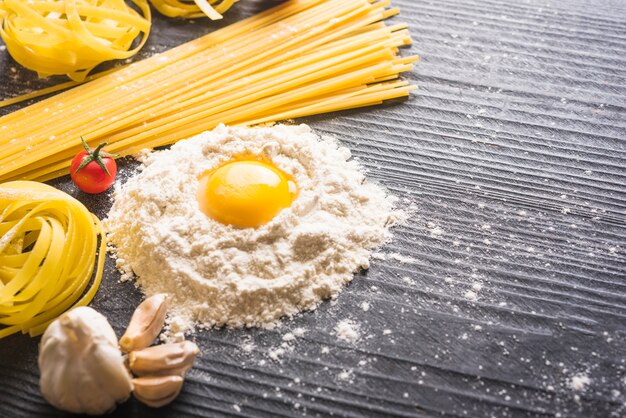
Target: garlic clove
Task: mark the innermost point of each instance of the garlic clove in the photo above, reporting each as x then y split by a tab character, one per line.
157	391
166	359
145	324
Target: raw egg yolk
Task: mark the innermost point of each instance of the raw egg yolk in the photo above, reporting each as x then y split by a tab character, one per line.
246	194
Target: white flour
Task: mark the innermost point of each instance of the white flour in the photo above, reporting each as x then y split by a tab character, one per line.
220	275
579	382
347	331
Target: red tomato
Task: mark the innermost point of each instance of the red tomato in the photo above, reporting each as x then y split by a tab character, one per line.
92	170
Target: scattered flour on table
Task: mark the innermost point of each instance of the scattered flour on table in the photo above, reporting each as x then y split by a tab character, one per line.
248	347
299	332
402	258
346	375
579	382
435	230
348	331
219	275
276	353
471	296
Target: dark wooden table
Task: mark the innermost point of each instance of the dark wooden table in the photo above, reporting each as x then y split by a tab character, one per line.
513	273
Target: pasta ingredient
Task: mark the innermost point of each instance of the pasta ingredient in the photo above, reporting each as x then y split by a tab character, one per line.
157	391
52	89
165	359
72	37
245	193
49	252
190	9
300	58
145	324
82	370
93	170
216	274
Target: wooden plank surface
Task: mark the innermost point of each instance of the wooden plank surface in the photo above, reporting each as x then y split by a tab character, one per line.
508	281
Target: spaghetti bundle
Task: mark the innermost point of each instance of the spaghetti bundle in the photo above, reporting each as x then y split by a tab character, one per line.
190	9
301	58
72	36
48	247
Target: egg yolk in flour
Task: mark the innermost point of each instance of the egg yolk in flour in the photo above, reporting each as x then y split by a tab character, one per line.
245	193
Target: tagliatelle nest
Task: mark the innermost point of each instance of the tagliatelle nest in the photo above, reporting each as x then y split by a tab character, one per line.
72	36
49	251
190	9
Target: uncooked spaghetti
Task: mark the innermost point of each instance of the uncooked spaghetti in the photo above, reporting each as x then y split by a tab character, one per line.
301	58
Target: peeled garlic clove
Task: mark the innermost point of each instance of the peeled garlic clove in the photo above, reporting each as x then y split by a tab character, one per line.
82	369
146	323
157	391
166	359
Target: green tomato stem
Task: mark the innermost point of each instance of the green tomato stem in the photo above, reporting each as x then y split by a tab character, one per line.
95	155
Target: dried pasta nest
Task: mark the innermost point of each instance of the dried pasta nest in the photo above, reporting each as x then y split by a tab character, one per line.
72	36
190	9
49	251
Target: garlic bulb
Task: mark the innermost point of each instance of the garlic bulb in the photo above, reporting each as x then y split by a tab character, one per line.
82	368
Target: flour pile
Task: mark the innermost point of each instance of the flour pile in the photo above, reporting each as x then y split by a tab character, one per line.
220	275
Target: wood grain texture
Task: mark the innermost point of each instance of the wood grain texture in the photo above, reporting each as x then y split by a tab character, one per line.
514	152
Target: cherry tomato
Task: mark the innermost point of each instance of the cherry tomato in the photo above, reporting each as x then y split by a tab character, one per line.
93	170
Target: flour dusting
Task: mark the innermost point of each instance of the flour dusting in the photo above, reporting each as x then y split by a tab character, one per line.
579	382
220	275
348	331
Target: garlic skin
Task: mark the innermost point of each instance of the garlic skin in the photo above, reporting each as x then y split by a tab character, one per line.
82	368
